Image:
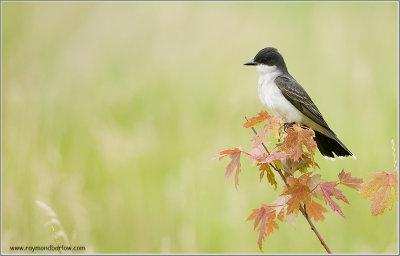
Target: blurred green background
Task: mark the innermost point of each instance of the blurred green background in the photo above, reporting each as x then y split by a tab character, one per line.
112	112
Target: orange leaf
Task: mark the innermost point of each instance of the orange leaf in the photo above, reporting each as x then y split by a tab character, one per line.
281	216
294	141
262	116
281	209
253	214
300	194
266	169
379	191
228	152
274	125
266	216
350	181
271	224
315	210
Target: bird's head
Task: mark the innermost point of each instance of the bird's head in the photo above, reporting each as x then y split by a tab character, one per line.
268	57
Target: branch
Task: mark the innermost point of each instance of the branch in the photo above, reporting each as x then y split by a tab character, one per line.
301	208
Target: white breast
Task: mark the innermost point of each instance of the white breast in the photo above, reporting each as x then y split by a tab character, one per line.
272	98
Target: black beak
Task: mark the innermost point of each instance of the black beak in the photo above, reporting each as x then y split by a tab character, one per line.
251	63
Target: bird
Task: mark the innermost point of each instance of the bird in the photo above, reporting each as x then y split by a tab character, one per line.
281	94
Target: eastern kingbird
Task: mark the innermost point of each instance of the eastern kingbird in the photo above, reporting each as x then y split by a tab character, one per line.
281	94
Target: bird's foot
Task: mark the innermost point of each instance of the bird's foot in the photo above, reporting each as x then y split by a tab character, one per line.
288	125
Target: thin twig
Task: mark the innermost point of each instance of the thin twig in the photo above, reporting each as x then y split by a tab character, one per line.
272	165
301	208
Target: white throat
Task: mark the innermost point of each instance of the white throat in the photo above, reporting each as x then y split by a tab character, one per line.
267	75
265	70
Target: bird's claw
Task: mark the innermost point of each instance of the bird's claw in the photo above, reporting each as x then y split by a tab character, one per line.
288	125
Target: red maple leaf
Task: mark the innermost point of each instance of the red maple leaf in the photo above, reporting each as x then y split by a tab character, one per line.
234	154
260	137
266	216
262	116
273	125
261	157
379	191
350	181
328	189
274	156
295	140
228	152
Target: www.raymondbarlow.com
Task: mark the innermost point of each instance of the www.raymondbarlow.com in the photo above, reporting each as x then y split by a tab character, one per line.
47	248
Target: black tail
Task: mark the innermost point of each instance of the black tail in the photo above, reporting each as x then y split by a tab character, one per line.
327	146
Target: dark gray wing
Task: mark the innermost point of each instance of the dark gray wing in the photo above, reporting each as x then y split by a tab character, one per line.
296	95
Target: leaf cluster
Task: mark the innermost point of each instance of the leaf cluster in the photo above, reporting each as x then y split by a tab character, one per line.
304	189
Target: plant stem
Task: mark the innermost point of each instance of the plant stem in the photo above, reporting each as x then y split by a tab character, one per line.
301	208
